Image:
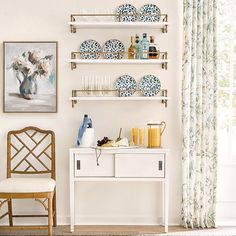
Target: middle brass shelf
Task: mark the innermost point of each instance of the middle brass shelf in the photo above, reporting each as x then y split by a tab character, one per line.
76	59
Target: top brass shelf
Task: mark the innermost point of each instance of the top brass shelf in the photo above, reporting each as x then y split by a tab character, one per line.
76	22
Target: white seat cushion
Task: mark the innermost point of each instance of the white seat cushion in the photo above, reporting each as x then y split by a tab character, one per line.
27	185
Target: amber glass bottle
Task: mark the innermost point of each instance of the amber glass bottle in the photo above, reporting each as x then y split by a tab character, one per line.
132	49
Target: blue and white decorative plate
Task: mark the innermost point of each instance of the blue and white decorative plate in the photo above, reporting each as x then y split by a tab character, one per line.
150	85
90	49
127	13
113	49
149	13
126	85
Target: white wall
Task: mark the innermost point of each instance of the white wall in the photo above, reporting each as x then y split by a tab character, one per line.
226	195
98	203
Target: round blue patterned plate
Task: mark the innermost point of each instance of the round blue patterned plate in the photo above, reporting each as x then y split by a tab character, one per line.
149	13
113	49
150	85
127	13
90	49
126	85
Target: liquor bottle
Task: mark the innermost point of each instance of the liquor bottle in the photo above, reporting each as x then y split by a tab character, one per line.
132	49
145	47
154	52
138	47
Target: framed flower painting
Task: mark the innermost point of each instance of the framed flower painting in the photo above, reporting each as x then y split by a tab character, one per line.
30	77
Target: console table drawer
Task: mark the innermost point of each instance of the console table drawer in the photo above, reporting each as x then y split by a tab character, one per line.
86	166
140	165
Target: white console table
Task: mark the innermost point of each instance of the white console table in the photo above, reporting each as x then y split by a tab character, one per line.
113	164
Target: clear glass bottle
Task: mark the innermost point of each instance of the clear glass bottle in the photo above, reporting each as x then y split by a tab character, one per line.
153	51
138	47
132	49
145	47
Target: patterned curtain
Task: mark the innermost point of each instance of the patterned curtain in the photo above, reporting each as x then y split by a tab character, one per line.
199	114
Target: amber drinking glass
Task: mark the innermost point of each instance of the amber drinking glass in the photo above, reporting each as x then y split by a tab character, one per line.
138	136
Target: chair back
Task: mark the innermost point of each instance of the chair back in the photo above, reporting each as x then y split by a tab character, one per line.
31	151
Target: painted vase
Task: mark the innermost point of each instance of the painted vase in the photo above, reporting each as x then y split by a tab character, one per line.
28	87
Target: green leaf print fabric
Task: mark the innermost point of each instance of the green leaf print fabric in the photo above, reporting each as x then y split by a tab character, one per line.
199	114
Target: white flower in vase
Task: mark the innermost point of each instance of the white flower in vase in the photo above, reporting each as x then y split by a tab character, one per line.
29	66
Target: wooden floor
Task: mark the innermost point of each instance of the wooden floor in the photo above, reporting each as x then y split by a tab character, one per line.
123	230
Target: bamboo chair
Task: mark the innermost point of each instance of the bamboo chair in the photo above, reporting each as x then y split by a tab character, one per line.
30	151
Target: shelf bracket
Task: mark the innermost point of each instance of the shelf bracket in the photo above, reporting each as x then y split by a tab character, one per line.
164	64
164	94
73	64
165	29
72	27
73	101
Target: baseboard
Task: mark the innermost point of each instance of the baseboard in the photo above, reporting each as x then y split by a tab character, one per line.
116	220
226	221
97	220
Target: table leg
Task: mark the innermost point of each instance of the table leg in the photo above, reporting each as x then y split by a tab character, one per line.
72	207
72	195
163	203
166	204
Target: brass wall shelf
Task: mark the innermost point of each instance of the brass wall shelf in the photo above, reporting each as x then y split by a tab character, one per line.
76	59
113	21
75	22
81	95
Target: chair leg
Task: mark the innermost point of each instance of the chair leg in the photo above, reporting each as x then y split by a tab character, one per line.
50	216
10	212
54	210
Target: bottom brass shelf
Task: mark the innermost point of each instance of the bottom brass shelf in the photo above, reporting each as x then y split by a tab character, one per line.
93	95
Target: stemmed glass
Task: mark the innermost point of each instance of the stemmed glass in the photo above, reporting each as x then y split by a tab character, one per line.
107	86
96	85
87	84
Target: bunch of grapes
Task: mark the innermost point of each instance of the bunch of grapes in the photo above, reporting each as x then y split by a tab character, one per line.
103	141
